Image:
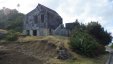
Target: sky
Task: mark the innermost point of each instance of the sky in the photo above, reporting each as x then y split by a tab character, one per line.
70	10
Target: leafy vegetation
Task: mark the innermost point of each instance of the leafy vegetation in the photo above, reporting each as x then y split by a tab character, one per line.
97	31
89	40
112	45
2	33
11	19
82	43
11	36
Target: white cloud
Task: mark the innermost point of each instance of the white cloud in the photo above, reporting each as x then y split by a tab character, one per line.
88	10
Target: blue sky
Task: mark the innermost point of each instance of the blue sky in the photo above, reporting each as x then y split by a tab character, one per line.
70	10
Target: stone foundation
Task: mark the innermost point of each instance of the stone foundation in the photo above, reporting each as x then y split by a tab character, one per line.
38	32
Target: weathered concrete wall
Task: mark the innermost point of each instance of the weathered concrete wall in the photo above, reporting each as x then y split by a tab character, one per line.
51	20
39	32
61	30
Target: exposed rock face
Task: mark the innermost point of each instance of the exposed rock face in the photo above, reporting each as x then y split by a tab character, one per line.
63	54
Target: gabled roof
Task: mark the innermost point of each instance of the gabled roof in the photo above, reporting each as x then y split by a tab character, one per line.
42	7
46	8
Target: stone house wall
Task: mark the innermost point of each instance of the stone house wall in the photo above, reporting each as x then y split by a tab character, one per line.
41	21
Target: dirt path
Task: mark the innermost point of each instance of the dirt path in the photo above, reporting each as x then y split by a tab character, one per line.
8	56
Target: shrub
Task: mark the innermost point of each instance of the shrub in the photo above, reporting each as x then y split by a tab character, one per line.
11	36
82	43
111	45
98	32
2	33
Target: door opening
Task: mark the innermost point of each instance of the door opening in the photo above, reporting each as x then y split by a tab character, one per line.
34	32
27	32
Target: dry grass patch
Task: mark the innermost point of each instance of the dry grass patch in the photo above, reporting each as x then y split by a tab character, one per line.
29	39
81	60
40	50
53	39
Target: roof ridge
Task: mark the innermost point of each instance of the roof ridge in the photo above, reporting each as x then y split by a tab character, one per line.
47	8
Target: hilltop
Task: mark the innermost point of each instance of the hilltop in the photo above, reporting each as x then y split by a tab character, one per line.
41	50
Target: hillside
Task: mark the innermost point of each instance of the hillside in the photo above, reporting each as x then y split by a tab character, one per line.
41	50
11	19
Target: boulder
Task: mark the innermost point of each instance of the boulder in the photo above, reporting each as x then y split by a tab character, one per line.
63	53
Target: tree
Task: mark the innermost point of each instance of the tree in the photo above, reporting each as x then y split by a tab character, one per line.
84	44
11	19
15	22
97	31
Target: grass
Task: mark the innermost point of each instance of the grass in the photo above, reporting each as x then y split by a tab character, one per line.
82	60
3	31
55	40
52	39
40	49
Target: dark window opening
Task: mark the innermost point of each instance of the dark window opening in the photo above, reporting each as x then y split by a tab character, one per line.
42	18
35	18
34	32
28	32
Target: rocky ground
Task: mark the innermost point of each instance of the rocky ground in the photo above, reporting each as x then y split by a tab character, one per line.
10	56
38	52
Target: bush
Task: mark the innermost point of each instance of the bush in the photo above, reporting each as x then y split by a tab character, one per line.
98	32
2	33
12	36
82	43
111	45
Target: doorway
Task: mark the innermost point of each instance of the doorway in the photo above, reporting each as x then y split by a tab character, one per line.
27	32
34	32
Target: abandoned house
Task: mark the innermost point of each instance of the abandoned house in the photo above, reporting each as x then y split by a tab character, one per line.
43	21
